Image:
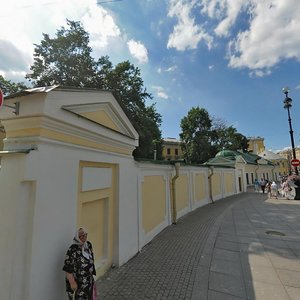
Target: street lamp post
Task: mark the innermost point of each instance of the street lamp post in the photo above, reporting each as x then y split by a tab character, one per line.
287	104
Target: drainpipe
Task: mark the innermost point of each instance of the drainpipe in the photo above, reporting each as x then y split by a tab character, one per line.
174	209
211	173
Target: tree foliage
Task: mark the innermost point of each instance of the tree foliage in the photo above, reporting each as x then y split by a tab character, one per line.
67	60
203	136
8	87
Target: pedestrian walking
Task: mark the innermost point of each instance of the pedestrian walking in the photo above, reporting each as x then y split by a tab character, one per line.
286	189
274	190
268	189
262	184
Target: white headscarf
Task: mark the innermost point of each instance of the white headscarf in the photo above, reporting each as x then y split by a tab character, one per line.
84	246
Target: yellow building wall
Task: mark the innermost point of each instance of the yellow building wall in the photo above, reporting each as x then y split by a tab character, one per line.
172	147
200	187
182	192
33	127
153	202
216	184
101	117
96	213
256	145
229	183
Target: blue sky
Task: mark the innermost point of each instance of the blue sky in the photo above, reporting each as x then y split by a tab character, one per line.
231	57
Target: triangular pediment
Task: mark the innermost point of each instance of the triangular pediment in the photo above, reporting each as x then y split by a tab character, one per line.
105	114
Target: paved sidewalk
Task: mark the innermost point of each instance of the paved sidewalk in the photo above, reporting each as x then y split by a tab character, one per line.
242	247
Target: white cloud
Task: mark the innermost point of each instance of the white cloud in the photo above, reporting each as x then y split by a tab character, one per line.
171	69
224	11
138	50
44	16
100	25
160	92
186	34
273	35
270	34
168	70
211	67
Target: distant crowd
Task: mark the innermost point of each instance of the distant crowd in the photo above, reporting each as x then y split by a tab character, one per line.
272	188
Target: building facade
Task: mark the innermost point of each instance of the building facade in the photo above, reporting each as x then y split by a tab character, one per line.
256	144
172	149
67	162
288	155
251	165
281	163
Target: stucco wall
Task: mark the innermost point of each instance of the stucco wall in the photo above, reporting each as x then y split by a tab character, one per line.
153	202
81	174
201	188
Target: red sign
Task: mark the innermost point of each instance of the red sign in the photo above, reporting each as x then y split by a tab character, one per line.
1	99
295	162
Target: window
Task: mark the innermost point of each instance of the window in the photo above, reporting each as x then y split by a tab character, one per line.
168	151
176	151
247	178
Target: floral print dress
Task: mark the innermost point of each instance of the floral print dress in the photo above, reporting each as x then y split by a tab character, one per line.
82	269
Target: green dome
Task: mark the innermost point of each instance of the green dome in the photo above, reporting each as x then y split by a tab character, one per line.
226	153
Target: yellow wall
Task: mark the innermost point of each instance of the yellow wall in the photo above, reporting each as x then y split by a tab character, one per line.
96	213
182	192
101	117
153	202
229	183
33	127
200	187
256	145
216	184
171	146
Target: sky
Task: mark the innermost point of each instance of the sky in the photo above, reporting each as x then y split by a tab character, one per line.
231	57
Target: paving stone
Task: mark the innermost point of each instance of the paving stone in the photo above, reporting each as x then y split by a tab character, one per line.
265	291
228	237
285	263
281	252
294	293
254	247
254	259
226	255
213	295
261	274
289	278
223	244
227	284
198	258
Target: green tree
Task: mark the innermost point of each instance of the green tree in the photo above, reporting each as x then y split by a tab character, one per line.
195	135
227	137
8	87
204	136
66	60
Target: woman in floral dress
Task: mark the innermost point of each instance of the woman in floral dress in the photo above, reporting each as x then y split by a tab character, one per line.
79	267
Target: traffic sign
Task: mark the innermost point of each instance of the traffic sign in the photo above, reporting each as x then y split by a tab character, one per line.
1	98
295	162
